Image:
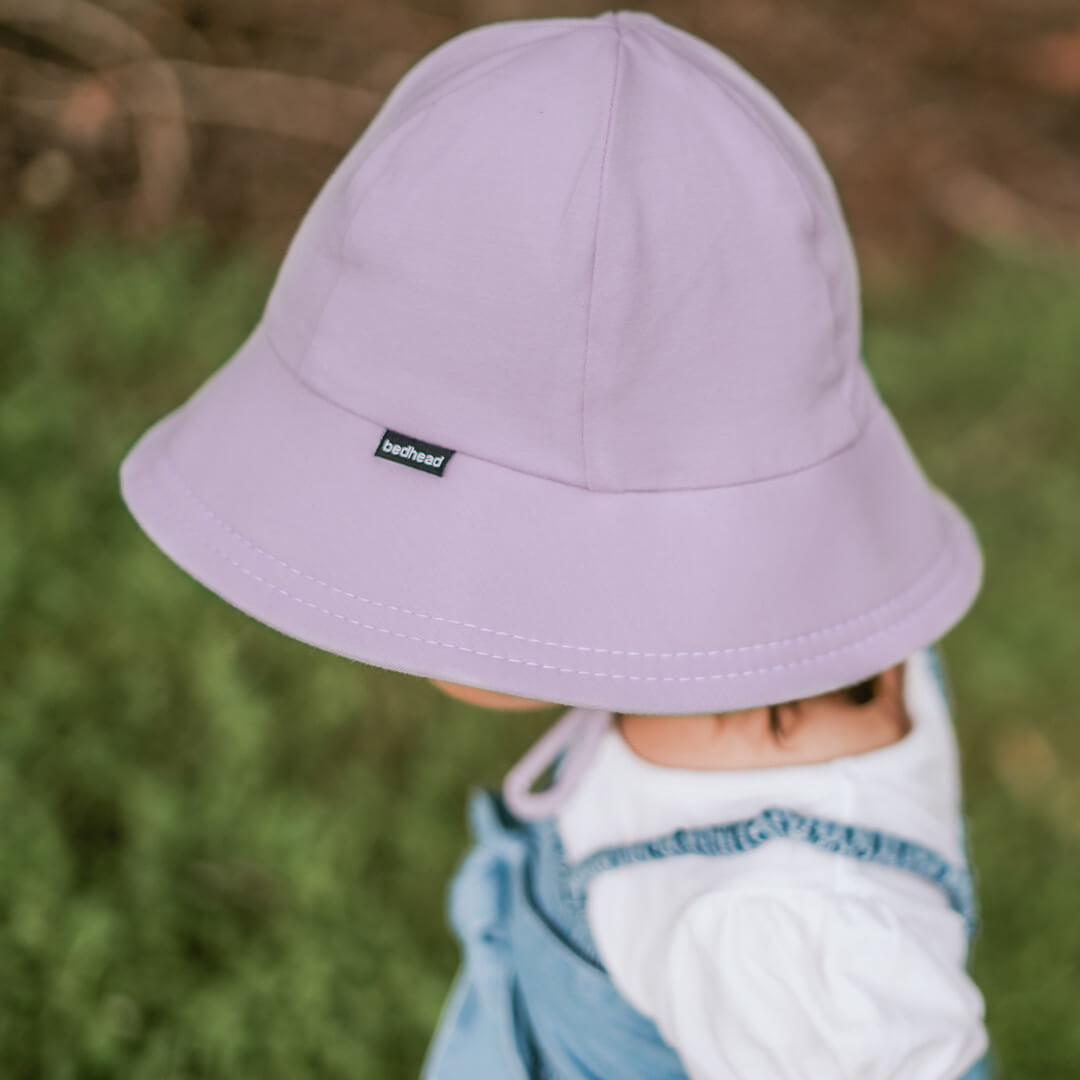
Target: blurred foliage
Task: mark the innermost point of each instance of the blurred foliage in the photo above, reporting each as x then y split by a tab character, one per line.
226	852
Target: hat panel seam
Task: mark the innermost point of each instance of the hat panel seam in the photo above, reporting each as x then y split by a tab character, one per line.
306	380
435	99
596	245
945	555
341	235
738	96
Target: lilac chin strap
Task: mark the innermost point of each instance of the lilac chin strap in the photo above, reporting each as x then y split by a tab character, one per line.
579	732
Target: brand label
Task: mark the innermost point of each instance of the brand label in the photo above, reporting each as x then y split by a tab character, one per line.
417	454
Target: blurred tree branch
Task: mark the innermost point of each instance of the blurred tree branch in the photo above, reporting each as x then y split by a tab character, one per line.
289	105
163	97
99	39
984	208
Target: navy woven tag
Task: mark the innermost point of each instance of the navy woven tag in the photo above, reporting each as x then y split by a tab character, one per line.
417	454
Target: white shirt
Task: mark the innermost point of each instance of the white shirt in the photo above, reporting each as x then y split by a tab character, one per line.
788	962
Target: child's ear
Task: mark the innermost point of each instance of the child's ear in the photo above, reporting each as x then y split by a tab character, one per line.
489	699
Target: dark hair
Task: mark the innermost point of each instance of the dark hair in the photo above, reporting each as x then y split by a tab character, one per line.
857	694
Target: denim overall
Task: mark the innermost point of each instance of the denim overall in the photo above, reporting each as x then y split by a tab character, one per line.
532	999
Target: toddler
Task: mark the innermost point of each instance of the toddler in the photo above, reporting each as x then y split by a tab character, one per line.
779	959
559	397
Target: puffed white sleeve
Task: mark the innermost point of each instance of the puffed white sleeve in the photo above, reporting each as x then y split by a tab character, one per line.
807	984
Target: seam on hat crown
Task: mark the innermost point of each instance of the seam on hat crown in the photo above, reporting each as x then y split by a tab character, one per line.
343	183
596	244
811	157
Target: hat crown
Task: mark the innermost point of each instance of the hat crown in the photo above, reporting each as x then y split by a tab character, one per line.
594	250
586	256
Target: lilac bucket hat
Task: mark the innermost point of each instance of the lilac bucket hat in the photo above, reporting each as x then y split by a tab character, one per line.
559	392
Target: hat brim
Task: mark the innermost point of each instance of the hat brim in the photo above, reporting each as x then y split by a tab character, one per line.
685	601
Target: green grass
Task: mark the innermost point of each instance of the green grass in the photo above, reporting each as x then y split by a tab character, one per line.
225	853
